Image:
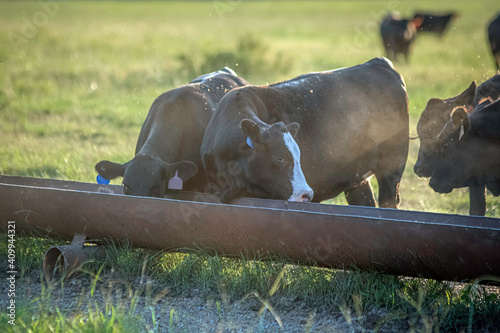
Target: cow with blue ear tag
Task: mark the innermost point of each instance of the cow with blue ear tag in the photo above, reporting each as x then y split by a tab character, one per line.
276	162
312	137
268	163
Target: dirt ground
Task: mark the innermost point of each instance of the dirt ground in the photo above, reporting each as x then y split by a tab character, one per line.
163	310
191	311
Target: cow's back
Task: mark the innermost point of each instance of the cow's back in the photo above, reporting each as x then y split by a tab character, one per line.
368	99
435	23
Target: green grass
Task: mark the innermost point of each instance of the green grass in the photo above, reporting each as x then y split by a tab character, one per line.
76	88
117	297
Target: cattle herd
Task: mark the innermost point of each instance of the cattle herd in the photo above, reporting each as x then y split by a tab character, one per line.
319	134
398	34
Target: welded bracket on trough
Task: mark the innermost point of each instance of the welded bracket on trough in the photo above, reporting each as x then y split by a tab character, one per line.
67	259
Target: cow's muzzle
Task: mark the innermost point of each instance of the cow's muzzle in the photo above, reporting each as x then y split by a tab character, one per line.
305	196
439	186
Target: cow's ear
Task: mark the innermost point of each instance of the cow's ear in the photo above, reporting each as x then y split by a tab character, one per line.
460	120
184	169
467	96
251	130
110	170
293	128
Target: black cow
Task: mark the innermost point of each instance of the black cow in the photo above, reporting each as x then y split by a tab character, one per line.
468	150
494	39
431	122
398	35
173	132
435	23
353	123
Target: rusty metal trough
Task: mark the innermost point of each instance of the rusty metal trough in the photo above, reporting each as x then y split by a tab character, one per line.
409	243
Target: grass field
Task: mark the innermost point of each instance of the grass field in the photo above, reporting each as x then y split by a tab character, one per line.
77	78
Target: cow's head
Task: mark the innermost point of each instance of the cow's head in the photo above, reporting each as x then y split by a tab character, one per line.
468	156
431	122
414	25
269	162
452	153
146	175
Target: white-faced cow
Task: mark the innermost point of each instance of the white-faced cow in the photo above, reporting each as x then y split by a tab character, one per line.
398	34
353	123
468	150
431	122
170	138
494	39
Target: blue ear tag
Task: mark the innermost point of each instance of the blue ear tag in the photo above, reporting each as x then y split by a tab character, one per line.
102	181
250	143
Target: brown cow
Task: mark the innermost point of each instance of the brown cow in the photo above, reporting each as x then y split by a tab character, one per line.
353	123
173	132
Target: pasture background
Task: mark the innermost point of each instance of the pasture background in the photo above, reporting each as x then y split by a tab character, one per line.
77	78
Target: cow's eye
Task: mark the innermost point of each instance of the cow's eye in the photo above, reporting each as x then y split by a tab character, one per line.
280	161
442	148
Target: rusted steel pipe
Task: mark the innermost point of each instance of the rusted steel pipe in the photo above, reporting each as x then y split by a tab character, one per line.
438	246
60	184
65	260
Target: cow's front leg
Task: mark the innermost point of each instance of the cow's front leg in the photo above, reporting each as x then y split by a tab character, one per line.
360	195
477	199
388	189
